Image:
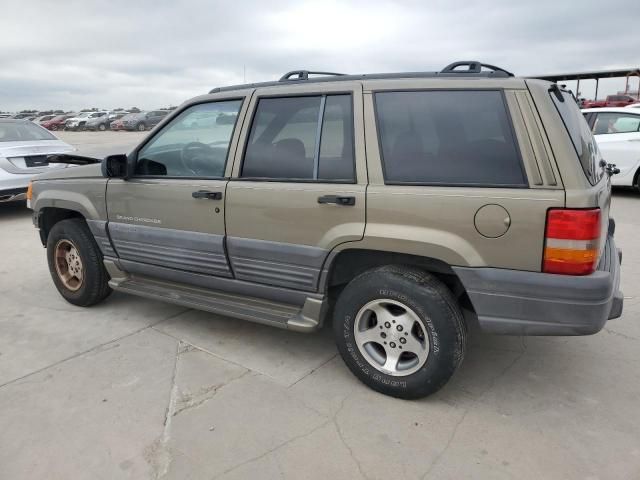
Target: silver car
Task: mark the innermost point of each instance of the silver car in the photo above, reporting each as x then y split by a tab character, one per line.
24	147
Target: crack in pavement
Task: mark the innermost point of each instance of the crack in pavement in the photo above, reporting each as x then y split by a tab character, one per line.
207	394
274	449
313	370
96	347
161	456
619	334
475	401
344	442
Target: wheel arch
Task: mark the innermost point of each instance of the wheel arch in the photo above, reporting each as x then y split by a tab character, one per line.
49	216
342	266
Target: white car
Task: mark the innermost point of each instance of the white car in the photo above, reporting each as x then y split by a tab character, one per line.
24	147
633	105
617	133
78	123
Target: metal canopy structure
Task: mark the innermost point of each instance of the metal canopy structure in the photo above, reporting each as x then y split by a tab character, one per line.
594	75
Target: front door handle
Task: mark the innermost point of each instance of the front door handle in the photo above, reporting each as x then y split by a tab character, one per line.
207	194
337	199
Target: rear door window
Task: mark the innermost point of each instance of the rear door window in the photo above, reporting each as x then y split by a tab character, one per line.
301	138
448	138
580	134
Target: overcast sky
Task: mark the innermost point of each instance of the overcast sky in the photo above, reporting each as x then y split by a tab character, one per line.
153	53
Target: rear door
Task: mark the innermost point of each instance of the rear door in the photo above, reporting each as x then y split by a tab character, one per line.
167	221
299	182
458	172
618	137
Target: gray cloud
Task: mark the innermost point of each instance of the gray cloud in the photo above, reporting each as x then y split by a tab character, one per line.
75	54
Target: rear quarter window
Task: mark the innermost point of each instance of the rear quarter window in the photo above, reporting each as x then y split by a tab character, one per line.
448	138
581	137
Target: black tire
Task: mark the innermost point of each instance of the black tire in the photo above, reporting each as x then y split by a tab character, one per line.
141	127
435	306
94	287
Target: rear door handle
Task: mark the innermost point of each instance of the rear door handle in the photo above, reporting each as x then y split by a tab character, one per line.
207	194
337	199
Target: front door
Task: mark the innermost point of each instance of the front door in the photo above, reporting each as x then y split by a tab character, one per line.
298	186
167	221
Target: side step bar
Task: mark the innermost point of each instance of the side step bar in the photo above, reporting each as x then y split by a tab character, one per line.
302	319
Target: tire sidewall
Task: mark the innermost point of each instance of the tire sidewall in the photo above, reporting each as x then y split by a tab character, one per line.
432	310
72	231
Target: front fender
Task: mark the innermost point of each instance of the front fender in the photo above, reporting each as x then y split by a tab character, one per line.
87	197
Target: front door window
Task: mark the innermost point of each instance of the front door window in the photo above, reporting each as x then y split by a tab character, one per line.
193	144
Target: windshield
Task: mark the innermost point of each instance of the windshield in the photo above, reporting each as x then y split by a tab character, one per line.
16	132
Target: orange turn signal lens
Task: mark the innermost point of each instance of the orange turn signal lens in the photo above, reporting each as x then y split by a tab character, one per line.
569	261
30	191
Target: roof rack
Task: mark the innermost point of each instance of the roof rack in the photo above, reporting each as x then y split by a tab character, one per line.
473	69
304	75
473	66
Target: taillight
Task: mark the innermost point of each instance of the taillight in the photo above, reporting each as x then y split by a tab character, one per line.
572	241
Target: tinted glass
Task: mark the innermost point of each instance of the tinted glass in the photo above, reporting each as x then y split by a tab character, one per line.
336	162
283	142
580	134
16	132
447	138
283	138
609	122
194	144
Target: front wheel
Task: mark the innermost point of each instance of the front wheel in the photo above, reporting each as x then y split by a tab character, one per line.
141	127
75	263
102	127
400	331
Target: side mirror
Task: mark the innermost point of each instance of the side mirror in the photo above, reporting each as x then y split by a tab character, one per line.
115	166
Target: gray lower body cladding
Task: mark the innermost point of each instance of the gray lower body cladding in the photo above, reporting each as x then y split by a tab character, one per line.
181	250
275	263
515	302
99	230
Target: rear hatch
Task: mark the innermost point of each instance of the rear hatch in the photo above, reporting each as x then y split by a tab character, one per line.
596	191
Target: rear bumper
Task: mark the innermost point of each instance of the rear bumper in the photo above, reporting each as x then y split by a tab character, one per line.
513	302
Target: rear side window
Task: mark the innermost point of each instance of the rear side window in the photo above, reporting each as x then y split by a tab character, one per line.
448	138
580	134
301	138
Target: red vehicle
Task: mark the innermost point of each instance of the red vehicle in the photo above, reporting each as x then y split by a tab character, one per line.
57	122
611	101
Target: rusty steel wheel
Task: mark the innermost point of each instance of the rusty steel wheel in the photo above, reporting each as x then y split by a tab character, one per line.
69	265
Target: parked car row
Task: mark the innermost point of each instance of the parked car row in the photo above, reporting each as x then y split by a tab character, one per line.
94	120
611	101
105	120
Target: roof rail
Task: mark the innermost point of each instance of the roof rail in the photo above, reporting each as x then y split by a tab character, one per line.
473	66
304	75
473	69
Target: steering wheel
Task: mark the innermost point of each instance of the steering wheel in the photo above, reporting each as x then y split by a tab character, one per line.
196	155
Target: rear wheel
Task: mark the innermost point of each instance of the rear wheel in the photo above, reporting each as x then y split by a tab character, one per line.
400	331
102	127
54	127
141	127
75	263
